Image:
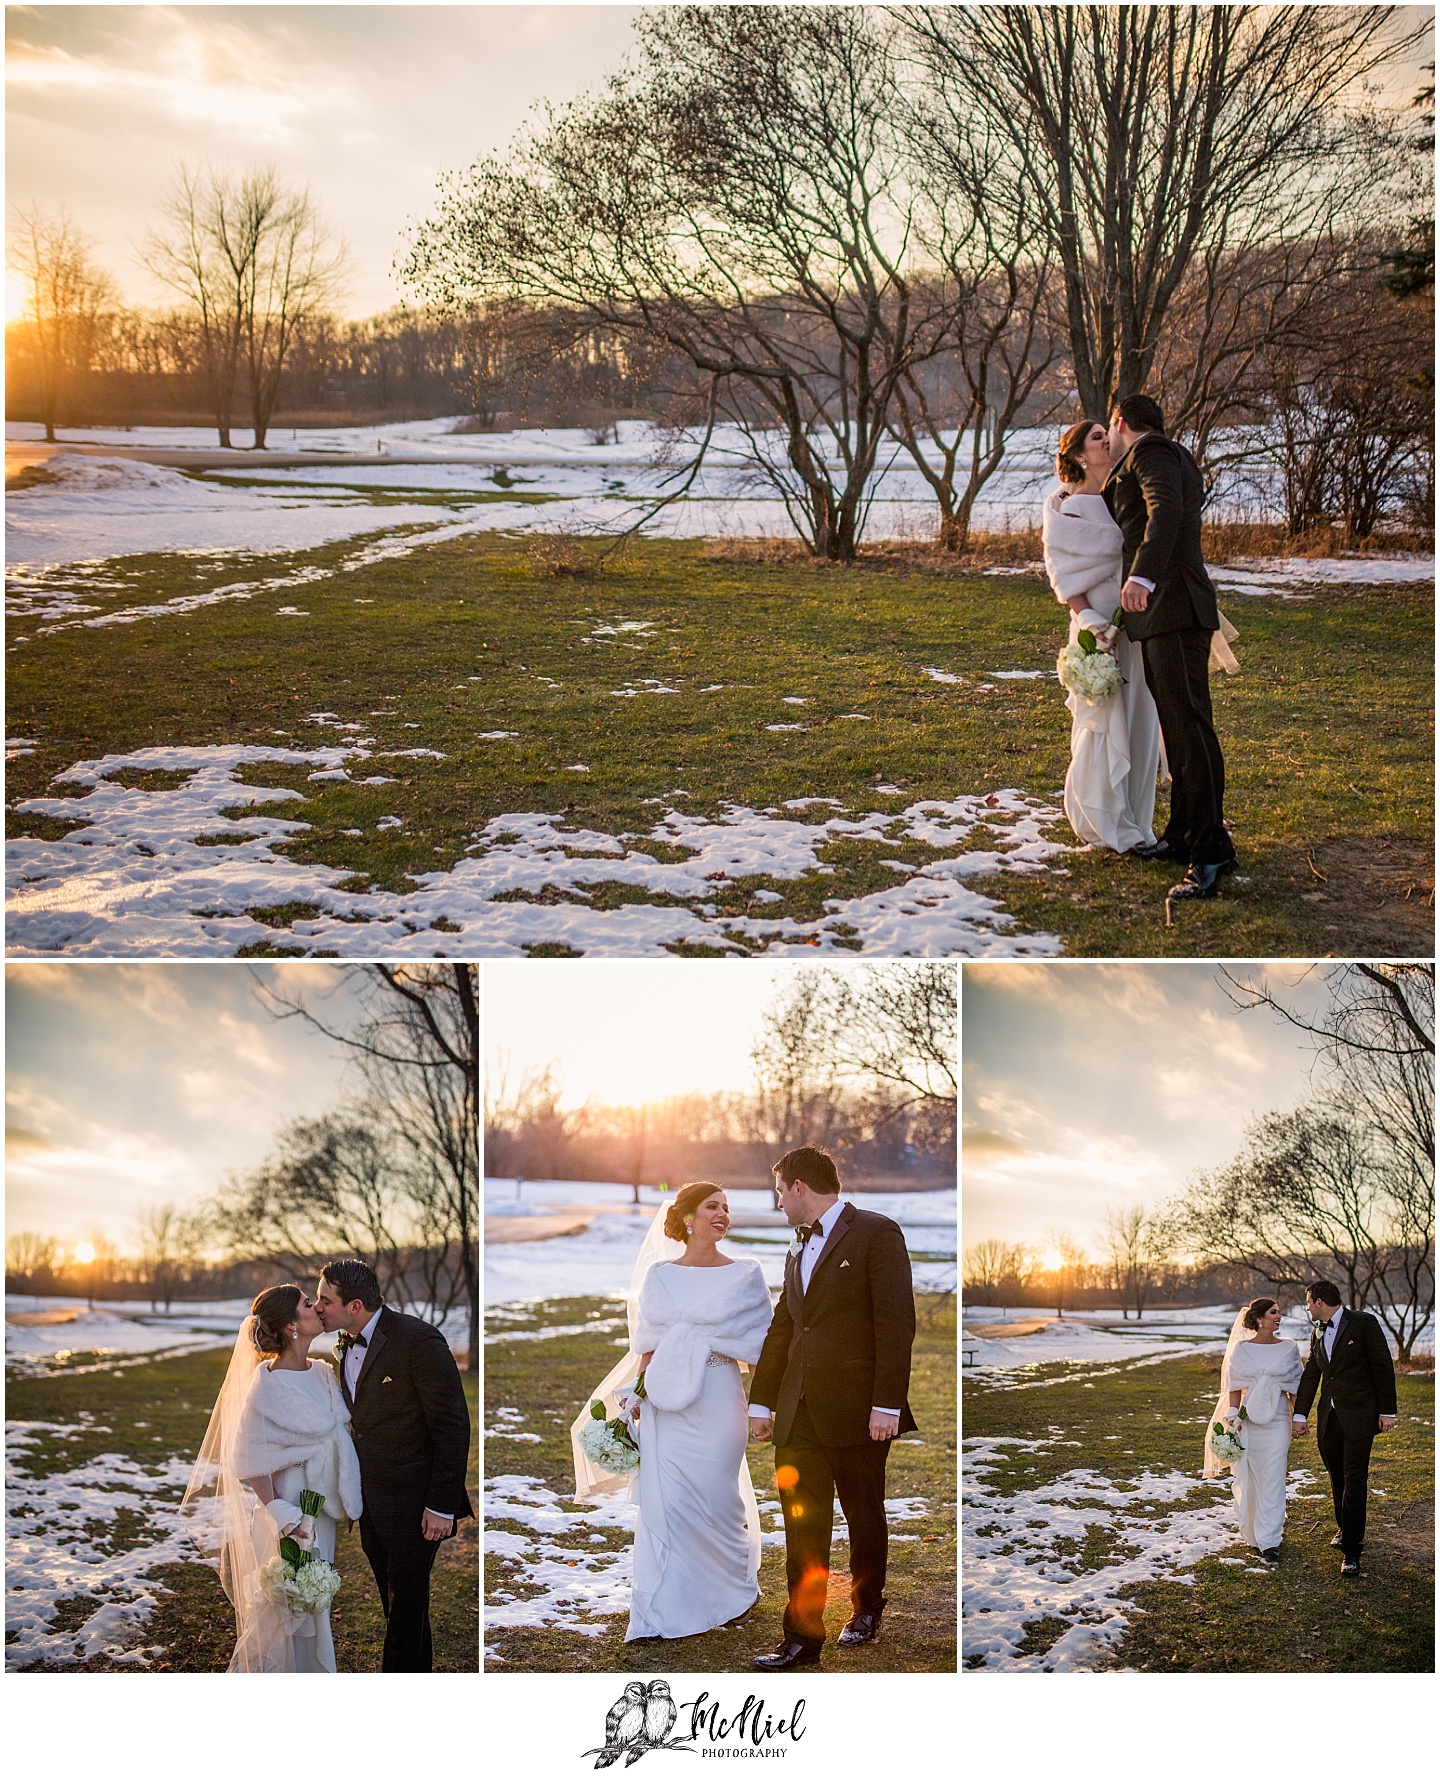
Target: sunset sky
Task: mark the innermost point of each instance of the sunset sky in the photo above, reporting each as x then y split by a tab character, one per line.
1091	1084
622	1033
368	104
130	1085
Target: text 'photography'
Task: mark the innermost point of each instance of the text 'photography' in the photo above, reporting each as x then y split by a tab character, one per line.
241	1319
720	1273
1198	1336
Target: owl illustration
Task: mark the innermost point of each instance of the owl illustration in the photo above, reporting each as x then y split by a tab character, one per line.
625	1727
659	1711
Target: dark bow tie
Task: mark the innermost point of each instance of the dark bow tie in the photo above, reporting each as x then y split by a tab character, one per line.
344	1341
804	1230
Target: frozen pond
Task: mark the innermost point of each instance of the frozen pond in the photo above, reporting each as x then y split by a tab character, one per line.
1101	1335
44	1332
442	483
598	1260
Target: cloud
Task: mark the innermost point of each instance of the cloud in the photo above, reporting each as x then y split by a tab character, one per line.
21	1139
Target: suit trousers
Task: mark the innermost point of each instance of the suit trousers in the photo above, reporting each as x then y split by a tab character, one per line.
401	1561
809	1475
1177	670
1347	1457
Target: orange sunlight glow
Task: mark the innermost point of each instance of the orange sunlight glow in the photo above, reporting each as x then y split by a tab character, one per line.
1053	1261
84	1253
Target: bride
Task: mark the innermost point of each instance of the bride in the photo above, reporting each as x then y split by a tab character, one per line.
695	1317
279	1427
1260	1374
1114	745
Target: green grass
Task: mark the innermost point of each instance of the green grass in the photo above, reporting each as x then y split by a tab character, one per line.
1328	731
194	1622
1301	1618
549	1380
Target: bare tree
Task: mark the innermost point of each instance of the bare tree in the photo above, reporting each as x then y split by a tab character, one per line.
1163	142
252	261
740	200
1137	1243
954	415
417	1045
798	1094
995	1269
30	1260
169	1241
895	1025
66	300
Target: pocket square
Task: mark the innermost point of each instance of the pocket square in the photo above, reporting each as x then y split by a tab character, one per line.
387	1379
843	1264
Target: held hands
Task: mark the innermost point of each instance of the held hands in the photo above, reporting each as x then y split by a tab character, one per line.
1299	1427
434	1526
1387	1423
1133	596
762	1431
883	1426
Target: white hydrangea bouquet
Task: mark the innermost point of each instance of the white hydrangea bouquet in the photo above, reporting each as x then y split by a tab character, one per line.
1087	666
297	1580
1225	1441
608	1443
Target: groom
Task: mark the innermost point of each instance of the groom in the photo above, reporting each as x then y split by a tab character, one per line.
1155	492
831	1387
1351	1370
411	1427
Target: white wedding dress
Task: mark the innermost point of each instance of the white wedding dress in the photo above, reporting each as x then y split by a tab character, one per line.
697	1538
1115	745
290	1429
1265	1373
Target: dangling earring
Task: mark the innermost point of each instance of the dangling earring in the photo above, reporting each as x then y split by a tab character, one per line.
689	1225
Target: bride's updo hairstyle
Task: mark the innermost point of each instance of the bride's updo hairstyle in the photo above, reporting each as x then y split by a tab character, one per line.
1068	465
688	1200
273	1310
1257	1312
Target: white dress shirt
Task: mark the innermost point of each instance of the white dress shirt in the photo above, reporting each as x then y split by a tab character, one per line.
355	1356
355	1353
809	1259
1327	1340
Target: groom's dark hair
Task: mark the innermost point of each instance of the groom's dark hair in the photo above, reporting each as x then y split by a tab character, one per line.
1323	1291
1141	413
813	1167
354	1280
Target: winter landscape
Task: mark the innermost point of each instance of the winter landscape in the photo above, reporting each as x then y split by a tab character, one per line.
1261	1129
131	1266
434	743
557	1574
1080	1558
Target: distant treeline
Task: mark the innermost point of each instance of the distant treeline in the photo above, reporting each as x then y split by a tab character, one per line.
723	1136
40	1265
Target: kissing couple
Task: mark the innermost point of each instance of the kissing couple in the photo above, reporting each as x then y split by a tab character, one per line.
830	1386
296	1446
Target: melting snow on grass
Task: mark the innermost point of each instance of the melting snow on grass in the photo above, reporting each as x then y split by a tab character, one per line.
135	878
92	1535
1022	1563
569	1585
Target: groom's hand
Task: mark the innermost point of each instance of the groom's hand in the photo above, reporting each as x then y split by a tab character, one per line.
1387	1423
1299	1428
883	1426
1133	596
761	1430
434	1526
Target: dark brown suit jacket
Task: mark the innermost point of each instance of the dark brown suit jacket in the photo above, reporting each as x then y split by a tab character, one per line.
844	1344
